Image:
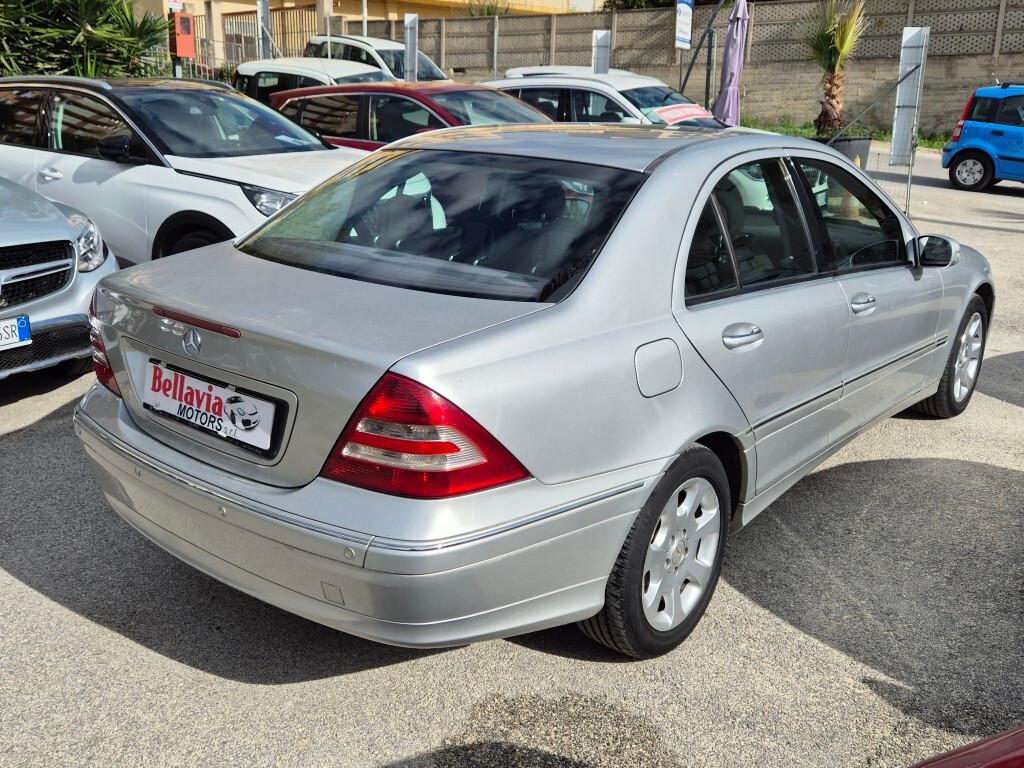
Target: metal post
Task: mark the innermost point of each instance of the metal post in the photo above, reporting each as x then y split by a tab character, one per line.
600	53
262	20
696	51
1000	23
443	43
327	28
364	18
709	65
412	46
495	44
553	31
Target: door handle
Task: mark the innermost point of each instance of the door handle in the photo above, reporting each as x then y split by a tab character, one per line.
741	334
862	302
998	133
51	174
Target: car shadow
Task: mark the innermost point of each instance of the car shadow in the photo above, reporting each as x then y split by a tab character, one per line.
913	567
1004	189
60	538
24	385
1002	377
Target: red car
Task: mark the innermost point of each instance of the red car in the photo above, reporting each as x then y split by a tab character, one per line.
1003	751
370	115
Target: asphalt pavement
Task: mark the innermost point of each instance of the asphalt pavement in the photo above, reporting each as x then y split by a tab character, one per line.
870	617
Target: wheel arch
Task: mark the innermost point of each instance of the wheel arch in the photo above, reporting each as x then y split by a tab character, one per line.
988	295
730	452
178	224
975	149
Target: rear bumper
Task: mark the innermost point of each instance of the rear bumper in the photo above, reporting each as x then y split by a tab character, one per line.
508	581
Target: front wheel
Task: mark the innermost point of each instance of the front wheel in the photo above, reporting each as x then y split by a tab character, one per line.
971	171
963	367
669	565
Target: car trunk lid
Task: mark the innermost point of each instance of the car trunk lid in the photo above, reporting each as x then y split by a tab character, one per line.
312	345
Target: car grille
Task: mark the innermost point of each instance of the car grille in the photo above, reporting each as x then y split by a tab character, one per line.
47	345
16	289
15	256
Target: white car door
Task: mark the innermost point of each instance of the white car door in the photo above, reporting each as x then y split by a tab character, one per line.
70	169
20	134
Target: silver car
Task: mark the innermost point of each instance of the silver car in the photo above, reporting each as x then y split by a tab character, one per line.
507	378
51	259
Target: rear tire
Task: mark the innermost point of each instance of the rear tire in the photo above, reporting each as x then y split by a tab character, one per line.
971	171
188	242
960	377
669	565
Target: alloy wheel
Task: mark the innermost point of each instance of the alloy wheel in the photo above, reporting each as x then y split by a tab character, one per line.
968	358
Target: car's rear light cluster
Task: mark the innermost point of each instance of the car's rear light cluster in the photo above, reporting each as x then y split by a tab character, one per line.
99	352
405	439
963	119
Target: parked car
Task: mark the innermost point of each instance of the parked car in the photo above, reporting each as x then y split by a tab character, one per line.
988	143
162	166
259	79
1005	750
51	259
370	116
373	51
616	97
512	377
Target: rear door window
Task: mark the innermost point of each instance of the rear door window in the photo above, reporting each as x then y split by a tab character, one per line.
593	107
360	55
1011	111
335	115
763	222
547	100
490	226
395	117
19	116
80	122
272	82
710	269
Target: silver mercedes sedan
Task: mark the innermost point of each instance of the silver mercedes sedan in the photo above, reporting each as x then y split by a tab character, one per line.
490	380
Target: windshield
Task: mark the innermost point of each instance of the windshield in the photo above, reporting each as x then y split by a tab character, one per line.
487	108
651	98
376	76
426	69
194	123
461	223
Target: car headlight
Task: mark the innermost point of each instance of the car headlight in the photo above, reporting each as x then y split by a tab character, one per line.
267	201
88	244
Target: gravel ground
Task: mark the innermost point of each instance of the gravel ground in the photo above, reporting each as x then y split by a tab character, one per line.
870	617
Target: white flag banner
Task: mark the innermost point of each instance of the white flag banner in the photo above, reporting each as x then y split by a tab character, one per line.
908	95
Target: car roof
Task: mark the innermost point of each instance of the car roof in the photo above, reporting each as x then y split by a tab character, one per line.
620	81
373	42
305	64
632	148
113	84
1001	91
425	88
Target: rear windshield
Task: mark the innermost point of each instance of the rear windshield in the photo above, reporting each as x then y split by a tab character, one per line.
487	108
468	224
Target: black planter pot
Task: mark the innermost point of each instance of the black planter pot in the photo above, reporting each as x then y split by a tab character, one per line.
857	148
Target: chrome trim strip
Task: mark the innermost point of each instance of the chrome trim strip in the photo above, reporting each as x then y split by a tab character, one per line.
468	538
765	422
901	359
38	270
83	421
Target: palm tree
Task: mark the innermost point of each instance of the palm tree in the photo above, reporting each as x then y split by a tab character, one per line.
831	34
97	38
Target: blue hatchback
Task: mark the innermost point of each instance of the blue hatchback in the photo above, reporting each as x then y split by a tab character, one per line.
988	143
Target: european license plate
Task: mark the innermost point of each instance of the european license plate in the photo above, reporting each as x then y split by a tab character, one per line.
15	332
209	407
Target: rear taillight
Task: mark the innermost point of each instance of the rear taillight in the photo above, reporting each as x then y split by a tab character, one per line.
963	119
406	440
99	352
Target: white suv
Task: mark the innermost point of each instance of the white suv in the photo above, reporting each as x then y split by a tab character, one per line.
259	79
162	166
373	51
577	95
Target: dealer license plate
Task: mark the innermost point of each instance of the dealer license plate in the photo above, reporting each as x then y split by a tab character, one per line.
209	407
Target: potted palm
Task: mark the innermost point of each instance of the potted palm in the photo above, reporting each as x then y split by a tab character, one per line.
832	32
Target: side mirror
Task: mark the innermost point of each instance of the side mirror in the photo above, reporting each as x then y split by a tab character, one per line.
937	251
120	149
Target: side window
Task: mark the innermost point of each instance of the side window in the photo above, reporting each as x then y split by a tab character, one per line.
312	50
395	117
293	110
242	83
984	110
544	99
79	123
19	110
353	53
709	264
862	230
763	223
1011	111
336	115
593	107
272	82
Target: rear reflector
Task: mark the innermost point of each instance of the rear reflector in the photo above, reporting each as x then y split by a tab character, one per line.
104	374
406	440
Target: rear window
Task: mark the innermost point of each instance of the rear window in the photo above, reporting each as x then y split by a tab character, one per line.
984	109
467	224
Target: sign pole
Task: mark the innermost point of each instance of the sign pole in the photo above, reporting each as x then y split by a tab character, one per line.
412	26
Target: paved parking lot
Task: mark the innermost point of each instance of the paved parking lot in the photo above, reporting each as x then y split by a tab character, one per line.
873	616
